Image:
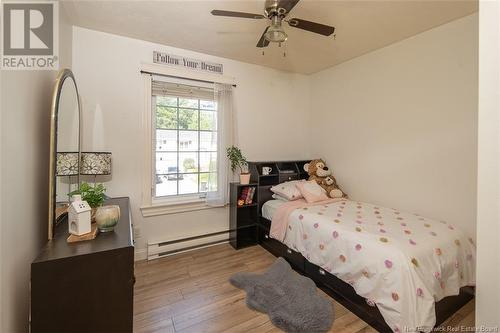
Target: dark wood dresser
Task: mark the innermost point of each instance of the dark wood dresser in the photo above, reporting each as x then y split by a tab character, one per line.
85	286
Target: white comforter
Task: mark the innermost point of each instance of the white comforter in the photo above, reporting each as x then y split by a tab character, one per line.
402	263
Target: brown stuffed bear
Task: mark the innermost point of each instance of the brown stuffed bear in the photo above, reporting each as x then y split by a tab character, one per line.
319	172
331	187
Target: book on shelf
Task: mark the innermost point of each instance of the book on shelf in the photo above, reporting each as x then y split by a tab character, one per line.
246	195
243	196
249	199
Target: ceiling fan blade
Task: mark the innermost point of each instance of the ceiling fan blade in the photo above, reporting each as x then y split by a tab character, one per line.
263	42
318	28
236	14
287	5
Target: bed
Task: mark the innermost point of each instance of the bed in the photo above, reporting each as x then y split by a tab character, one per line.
354	251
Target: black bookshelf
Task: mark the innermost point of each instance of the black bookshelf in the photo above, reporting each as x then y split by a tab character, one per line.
243	220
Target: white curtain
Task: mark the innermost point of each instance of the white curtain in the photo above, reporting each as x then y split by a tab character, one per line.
218	184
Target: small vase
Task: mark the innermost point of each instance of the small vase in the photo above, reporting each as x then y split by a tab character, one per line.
244	178
107	217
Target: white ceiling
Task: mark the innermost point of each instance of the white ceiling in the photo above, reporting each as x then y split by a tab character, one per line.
361	26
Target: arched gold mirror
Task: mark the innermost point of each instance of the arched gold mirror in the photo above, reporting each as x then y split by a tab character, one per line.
64	165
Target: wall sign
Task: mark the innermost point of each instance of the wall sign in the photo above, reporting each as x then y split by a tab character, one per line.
178	61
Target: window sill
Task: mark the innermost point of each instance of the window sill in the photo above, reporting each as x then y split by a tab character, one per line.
166	208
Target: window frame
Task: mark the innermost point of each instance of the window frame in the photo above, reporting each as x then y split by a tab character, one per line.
178	152
150	207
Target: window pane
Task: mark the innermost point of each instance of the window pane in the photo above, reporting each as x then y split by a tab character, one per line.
188	141
166	163
208	141
204	179
188	103
208	162
166	185
208	120
188	183
166	100
166	117
188	119
166	140
188	162
207	105
208	181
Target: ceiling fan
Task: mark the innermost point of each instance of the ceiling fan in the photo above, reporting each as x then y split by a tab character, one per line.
277	11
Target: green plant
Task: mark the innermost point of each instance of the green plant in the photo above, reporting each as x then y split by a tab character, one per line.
189	164
94	195
237	159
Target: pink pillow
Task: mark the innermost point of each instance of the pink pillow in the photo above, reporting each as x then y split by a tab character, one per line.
288	190
311	191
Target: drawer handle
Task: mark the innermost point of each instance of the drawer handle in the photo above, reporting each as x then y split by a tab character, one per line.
266	236
322	272
289	178
288	251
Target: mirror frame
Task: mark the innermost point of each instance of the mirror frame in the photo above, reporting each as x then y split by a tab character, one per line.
62	76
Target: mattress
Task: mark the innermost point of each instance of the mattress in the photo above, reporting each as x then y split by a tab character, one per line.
400	262
270	207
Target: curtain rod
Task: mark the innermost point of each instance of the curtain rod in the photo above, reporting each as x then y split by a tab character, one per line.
180	77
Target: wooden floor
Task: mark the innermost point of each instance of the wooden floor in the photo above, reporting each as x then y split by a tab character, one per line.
190	292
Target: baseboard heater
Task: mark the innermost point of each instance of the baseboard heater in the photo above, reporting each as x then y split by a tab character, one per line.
159	249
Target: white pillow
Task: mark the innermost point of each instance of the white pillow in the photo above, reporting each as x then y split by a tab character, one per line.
288	190
312	192
279	197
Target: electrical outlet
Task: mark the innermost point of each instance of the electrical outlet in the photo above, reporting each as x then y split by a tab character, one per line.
137	233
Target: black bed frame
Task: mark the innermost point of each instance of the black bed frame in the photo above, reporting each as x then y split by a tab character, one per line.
339	290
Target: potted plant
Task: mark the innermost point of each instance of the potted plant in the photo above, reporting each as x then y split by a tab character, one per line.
94	195
238	161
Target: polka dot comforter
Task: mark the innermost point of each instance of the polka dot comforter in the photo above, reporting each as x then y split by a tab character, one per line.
400	262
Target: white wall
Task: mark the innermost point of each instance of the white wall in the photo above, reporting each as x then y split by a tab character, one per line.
25	115
271	110
398	125
488	196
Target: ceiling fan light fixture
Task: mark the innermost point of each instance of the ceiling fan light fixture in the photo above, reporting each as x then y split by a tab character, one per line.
276	34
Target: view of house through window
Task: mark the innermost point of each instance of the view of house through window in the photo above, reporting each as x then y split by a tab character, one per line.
186	145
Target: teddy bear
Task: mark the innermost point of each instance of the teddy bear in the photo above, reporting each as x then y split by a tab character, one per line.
319	172
331	187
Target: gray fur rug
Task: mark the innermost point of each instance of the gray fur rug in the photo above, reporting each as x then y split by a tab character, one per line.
290	299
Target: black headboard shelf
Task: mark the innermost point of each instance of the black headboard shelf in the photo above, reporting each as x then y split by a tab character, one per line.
281	171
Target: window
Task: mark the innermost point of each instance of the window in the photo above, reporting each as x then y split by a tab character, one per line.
184	140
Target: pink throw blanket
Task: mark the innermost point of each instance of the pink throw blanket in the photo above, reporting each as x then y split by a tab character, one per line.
279	224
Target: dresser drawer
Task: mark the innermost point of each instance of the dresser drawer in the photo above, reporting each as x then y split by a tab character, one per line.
281	250
288	177
328	280
318	274
270	244
295	259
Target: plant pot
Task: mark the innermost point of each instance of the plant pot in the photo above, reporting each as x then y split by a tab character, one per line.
244	178
107	217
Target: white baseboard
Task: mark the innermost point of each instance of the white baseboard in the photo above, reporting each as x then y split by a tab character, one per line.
162	249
